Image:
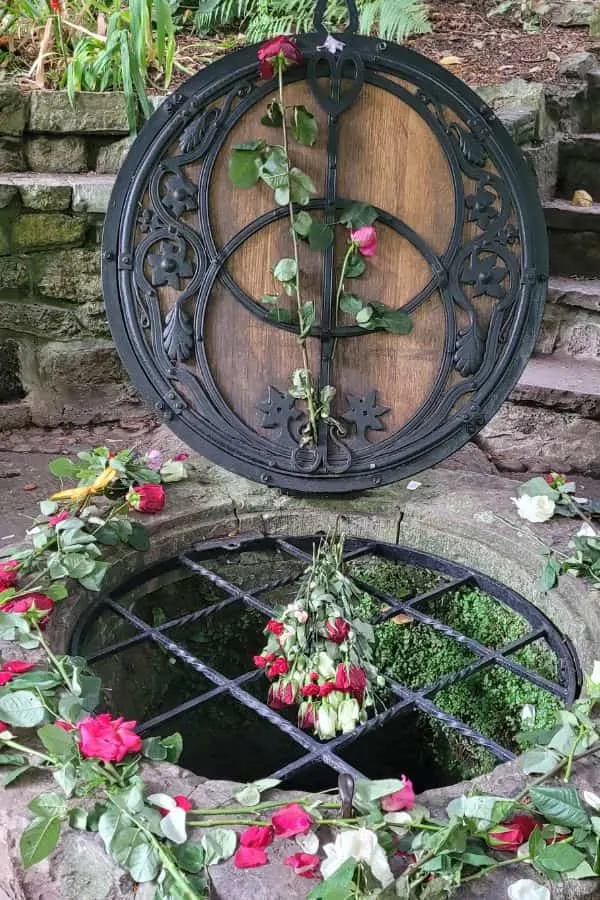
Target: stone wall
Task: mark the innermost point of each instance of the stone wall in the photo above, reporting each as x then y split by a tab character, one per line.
57	360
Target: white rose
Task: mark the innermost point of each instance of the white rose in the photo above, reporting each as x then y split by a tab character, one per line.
361	845
526	889
595	676
348	714
586	530
325	666
326	722
534	509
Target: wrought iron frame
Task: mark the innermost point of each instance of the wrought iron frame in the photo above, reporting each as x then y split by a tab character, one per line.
505	208
405	701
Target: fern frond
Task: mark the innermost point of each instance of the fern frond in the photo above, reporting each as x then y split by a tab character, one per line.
397	19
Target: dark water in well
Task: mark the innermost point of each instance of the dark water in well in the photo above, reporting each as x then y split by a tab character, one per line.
222	738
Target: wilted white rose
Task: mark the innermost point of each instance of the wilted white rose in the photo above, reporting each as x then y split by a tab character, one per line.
526	889
534	509
325	666
348	714
592	799
326	722
361	845
528	714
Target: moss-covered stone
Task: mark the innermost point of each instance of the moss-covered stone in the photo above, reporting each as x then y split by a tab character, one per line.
38	319
45	196
91	196
110	157
33	230
11	155
14	274
69	275
14	105
8	193
47	153
90	113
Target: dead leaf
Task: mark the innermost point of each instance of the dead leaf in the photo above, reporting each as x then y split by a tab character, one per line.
582	198
30	487
553	56
402	619
451	61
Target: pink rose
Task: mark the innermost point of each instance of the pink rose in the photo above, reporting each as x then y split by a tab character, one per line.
291	820
365	239
103	737
306	716
281	695
303	864
352	680
399	800
283	45
257	836
181	457
53	521
338	630
250	858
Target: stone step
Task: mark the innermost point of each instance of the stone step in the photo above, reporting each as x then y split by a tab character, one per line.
574	238
581	293
563	384
87	192
579	165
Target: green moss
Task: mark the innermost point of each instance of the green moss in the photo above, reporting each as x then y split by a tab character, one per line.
417	655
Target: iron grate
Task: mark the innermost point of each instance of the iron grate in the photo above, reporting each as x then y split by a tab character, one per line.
404	698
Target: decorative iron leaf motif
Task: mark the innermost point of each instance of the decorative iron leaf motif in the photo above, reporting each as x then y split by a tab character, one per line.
196	133
365	412
181	195
484	273
279	410
178	334
148	220
469	350
169	264
474	418
482	207
471	148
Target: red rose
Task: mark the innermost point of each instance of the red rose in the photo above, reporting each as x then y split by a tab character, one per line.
337	631
259	661
10	669
306	716
181	801
257	836
8	574
310	690
303	864
55	6
314	676
250	857
399	800
4	727
283	46
106	738
278	667
275	627
30	603
352	680
513	833
326	688
291	820
59	517
280	696
146	498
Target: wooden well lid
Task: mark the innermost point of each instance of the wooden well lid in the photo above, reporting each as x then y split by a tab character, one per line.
461	249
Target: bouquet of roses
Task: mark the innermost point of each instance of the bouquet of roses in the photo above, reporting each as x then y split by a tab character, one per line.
318	654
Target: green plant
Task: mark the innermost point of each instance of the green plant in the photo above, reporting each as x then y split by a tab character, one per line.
392	19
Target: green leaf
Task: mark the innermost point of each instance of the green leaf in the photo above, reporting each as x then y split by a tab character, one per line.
538	762
43	681
560	857
307	319
320	236
174	744
57	741
304	126
78	819
132	850
351	304
396	321
549	575
218	844
485	810
12	759
63	468
302	223
258	144
93	581
248	795
14	774
123	527
285	269
244	167
366	792
279	314
66	778
107	535
189	857
23	709
274	115
355	267
364	316
538	487
39	840
48	507
302	189
152	748
356	215
561	806
138	537
57	591
78	565
109	824
48	806
338	886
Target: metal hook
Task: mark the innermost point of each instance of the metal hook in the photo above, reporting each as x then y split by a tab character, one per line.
346	789
321	9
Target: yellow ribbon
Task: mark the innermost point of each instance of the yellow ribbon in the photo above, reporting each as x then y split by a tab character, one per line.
76	495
